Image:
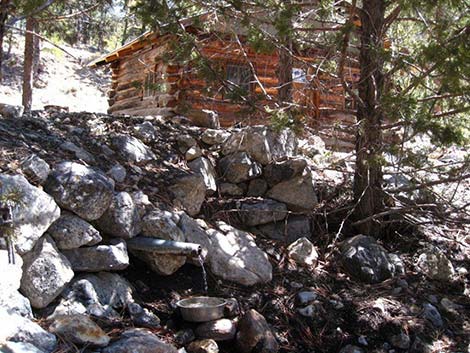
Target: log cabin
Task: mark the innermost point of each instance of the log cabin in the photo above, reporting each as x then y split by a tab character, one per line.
224	77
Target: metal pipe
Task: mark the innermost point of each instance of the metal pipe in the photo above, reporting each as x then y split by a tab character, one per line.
162	246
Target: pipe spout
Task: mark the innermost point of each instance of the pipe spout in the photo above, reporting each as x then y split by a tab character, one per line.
162	246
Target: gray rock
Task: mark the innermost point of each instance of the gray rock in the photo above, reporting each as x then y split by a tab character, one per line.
15	303
365	259
308	311
16	328
238	167
214	137
433	315
351	349
101	294
231	189
252	140
70	232
303	252
162	224
9	111
118	173
163	264
195	233
80	189
132	149
142	317
295	227
451	308
262	212
79	329
33	211
112	257
203	346
235	257
189	192
184	336
145	131
139	341
257	188
46	272
36	169
253	330
277	172
297	193
142	202
122	218
193	153
218	330
185	142
79	152
311	146
283	143
436	265
306	297
19	347
204	168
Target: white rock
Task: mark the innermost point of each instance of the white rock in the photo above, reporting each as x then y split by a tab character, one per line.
132	149
303	252
189	192
70	232
79	329
204	167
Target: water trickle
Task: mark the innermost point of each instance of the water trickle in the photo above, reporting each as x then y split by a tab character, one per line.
204	274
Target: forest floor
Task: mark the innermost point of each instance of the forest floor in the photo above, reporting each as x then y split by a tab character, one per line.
63	79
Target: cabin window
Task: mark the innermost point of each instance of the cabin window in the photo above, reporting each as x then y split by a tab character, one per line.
239	75
154	84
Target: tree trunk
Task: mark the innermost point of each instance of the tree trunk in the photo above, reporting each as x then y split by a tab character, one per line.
28	65
4	5
36	52
368	175
285	65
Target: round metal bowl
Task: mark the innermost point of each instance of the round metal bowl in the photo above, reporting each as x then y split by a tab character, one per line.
202	309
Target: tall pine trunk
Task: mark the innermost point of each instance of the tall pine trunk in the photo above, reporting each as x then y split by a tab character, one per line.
369	143
4	5
28	65
285	64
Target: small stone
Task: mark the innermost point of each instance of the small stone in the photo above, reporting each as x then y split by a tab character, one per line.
433	315
79	329
185	142
351	349
253	330
436	265
118	173
9	111
132	149
189	193
450	307
214	137
193	153
308	311
363	340
162	224
19	347
277	172
218	330
203	346
401	341
238	167
306	297
139	341
262	212
79	152
232	308
184	337
142	317
303	252
146	131
36	169
204	168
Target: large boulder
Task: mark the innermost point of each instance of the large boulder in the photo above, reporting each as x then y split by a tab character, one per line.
16	328
103	257
277	172
9	111
102	294
195	232
204	168
132	149
189	193
79	329
297	193
70	232
46	272
238	167
80	189
363	258
234	256
33	212
254	331
122	218
139	341
262	212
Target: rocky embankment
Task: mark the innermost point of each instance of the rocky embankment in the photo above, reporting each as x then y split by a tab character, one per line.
90	193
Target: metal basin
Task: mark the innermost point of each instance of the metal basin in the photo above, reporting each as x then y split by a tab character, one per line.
202	309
